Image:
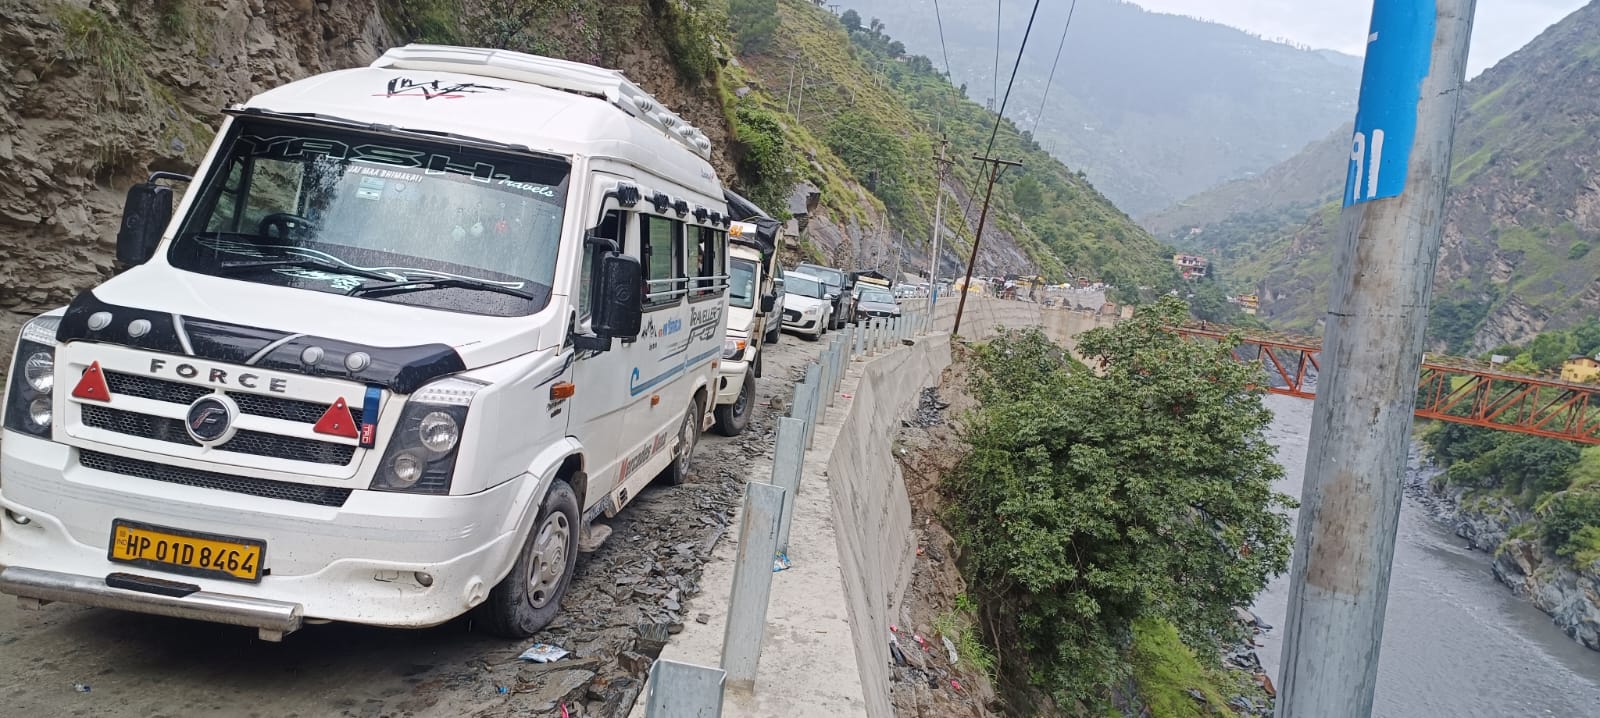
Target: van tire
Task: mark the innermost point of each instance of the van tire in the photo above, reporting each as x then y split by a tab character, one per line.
688	433
733	419
529	597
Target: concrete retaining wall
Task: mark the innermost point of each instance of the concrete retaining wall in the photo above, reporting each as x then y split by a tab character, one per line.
871	511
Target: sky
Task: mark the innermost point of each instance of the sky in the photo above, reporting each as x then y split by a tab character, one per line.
1500	28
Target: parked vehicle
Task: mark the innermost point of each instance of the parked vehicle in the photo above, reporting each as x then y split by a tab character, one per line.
753	307
368	369
839	285
874	302
810	303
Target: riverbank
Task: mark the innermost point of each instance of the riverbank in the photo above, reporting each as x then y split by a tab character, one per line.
1496	525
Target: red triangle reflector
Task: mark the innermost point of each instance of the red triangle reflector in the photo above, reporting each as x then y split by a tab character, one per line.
337	421
93	385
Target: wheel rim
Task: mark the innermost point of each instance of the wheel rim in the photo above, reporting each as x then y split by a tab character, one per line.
742	404
685	443
549	554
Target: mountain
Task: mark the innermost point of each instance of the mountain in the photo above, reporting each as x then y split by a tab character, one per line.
1521	219
883	113
1152	107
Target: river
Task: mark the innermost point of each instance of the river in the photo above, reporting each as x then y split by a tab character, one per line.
1456	642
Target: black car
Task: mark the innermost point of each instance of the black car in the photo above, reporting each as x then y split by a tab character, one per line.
840	286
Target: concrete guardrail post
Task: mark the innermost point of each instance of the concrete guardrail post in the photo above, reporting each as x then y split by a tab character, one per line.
814	413
830	370
752	583
684	690
800	408
860	337
788	463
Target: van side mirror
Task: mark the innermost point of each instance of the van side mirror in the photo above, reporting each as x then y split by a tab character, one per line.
145	215
768	303
620	309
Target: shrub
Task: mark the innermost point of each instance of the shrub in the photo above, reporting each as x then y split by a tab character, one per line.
1089	502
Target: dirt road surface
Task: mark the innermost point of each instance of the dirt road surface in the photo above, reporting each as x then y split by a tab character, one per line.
625	600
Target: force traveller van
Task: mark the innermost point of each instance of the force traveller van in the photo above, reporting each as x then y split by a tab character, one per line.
412	329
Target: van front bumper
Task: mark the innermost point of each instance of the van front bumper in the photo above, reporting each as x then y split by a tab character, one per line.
730	379
386	559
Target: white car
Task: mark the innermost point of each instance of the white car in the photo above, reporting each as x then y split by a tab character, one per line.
808	307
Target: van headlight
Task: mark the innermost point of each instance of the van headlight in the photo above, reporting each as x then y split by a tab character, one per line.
28	394
421	455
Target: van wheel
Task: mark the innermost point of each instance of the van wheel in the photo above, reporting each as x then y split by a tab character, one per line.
688	437
733	419
529	597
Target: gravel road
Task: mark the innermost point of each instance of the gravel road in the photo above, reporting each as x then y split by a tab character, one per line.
626	599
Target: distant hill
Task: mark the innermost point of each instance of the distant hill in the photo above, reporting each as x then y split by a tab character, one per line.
1153	108
1522	218
883	111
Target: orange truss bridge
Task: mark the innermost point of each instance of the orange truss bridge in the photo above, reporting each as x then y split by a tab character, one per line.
1454	389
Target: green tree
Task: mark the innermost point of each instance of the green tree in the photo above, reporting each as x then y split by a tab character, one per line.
1089	502
1550	349
851	20
754	23
1027	196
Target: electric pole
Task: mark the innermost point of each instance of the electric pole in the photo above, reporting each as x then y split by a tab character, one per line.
944	163
995	166
1388	245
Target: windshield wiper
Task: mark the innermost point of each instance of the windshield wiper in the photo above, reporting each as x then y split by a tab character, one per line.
306	262
422	284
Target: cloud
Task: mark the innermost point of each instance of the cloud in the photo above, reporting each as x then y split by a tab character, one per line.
1501	26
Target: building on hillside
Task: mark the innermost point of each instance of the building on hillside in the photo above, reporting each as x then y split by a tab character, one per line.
1249	303
1581	369
1191	266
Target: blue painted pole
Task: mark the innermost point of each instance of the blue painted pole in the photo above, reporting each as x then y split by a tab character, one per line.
1388	244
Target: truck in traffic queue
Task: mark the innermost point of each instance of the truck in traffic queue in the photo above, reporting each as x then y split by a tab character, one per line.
411	331
755	298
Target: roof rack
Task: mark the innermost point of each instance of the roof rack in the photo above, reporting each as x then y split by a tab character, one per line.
556	74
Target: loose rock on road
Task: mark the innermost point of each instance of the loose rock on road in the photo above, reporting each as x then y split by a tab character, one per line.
626	599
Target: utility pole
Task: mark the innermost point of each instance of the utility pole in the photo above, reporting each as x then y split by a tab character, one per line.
938	222
1388	245
995	166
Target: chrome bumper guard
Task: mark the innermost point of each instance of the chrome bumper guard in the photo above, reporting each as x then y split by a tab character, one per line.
34	588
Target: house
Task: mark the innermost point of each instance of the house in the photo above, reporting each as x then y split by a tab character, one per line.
1581	369
1250	303
1191	266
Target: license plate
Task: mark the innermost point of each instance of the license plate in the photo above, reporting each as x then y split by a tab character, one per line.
186	552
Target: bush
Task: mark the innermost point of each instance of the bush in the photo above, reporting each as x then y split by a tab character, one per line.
1090	502
754	23
766	161
1567	516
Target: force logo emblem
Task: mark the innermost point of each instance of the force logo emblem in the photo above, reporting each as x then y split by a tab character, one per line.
210	419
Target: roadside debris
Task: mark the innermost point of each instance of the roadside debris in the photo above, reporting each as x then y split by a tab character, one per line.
543	653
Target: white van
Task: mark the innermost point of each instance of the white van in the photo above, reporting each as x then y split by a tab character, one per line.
413	327
754	305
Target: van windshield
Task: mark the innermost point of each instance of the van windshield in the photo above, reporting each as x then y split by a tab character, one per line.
434	224
741	283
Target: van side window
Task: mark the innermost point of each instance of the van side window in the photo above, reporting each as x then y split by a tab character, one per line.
661	244
613	226
707	257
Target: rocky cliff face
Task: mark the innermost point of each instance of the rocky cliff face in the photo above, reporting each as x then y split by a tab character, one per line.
100	94
1570	594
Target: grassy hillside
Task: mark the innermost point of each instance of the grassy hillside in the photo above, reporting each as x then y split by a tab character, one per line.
1522	216
883	113
1153	107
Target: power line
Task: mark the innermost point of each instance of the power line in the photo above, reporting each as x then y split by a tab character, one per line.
942	48
1053	64
998	116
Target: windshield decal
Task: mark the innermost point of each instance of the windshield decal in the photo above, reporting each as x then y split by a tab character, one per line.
340	282
433	89
258	251
285	147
